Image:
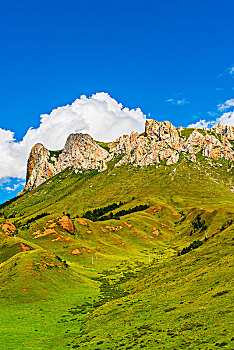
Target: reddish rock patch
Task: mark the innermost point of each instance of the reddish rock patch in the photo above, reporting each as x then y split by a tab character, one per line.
167	227
155	209
155	231
82	222
24	247
47	231
115	229
86	250
189	214
76	251
8	228
66	223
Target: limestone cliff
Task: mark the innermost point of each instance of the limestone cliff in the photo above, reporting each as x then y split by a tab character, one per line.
80	152
162	131
226	131
39	168
160	142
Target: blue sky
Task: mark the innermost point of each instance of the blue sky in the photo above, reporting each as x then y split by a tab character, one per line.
173	59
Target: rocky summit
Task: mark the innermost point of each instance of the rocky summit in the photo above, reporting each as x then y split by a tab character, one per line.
161	143
80	152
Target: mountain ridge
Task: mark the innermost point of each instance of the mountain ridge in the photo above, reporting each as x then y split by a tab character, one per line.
161	143
123	282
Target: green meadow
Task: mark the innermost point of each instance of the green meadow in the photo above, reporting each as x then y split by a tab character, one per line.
121	283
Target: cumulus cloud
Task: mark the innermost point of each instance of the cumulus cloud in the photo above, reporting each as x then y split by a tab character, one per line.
231	70
226	105
227	118
99	115
202	124
178	102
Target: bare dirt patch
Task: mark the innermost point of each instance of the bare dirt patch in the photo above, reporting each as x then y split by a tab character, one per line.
76	251
66	223
8	228
82	222
155	231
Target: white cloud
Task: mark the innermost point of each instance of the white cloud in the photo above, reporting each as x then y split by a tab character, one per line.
201	124
99	115
226	105
179	102
10	184
10	189
226	119
212	114
231	70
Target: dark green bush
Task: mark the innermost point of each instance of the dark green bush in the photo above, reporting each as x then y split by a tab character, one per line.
120	213
198	224
226	225
192	246
39	216
95	214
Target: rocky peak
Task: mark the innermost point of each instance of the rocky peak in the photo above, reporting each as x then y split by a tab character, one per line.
124	144
226	131
194	142
162	131
38	152
80	152
161	142
38	167
79	142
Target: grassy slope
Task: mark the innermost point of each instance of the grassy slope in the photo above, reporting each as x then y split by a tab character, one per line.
44	304
184	303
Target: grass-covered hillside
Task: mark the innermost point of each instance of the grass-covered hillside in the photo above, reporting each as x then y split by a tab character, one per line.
128	258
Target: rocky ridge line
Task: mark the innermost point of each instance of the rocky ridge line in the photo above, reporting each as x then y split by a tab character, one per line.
80	152
160	142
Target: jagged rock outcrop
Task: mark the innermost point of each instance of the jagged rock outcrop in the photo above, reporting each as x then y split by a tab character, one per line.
162	131
210	146
194	143
39	168
226	131
80	152
160	142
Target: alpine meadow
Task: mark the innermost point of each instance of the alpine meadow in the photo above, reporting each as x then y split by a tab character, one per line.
122	245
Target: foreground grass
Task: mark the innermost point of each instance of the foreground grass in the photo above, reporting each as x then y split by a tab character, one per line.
185	303
127	288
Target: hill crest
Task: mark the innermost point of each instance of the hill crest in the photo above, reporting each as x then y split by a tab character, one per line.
161	143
